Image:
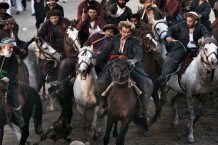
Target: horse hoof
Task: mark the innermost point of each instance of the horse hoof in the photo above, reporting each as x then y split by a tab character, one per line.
191	140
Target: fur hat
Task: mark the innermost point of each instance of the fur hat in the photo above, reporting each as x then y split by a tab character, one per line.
7	40
53	12
110	26
7	20
4	5
192	14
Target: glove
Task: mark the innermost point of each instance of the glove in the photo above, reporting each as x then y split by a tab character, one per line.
5	79
94	62
132	61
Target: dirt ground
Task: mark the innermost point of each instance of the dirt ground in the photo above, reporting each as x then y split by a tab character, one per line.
161	133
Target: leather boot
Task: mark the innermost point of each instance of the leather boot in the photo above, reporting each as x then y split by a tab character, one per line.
19	118
144	109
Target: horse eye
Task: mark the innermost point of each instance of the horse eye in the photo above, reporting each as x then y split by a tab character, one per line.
205	49
158	29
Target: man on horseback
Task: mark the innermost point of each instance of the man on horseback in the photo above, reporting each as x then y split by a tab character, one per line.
8	73
53	31
124	44
189	34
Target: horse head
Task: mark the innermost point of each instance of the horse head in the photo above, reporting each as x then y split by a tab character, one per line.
119	70
160	29
73	35
149	43
208	52
43	50
84	61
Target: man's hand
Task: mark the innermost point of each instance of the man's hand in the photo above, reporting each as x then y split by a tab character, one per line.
5	79
132	61
94	62
169	39
83	17
200	41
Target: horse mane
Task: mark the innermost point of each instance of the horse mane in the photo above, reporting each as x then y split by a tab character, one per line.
209	40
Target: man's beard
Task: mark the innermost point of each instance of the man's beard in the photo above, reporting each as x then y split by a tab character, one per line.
121	5
191	26
6	53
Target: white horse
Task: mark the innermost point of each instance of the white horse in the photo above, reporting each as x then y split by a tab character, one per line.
195	81
84	87
73	34
39	50
160	29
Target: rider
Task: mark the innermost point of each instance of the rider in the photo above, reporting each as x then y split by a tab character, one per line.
189	33
124	44
8	73
53	31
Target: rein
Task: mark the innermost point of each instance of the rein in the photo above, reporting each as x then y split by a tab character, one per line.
71	43
45	54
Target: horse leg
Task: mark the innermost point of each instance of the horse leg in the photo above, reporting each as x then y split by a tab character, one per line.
84	120
109	127
25	134
15	130
190	101
52	101
1	134
201	104
158	107
115	132
95	123
124	128
175	121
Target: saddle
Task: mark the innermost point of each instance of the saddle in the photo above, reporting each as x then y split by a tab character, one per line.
185	63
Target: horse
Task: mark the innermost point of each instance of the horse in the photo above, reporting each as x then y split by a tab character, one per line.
194	82
154	54
122	102
30	100
40	50
83	89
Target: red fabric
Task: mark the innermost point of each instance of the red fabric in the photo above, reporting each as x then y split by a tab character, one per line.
121	56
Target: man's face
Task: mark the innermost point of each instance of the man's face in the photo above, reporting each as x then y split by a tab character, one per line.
8	49
121	3
92	14
148	4
135	21
109	33
190	22
125	32
54	20
3	12
52	2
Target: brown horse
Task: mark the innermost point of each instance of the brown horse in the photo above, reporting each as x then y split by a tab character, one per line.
152	63
122	102
30	100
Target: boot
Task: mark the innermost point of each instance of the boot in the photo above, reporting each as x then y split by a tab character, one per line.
19	118
143	110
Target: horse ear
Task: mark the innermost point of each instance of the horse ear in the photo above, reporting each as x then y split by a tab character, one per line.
165	18
91	47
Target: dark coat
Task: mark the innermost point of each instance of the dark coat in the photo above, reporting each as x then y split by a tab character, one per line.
132	49
180	32
54	39
157	15
112	10
84	5
100	45
203	9
46	9
105	4
83	28
10	65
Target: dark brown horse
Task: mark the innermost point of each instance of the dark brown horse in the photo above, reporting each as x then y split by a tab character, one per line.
152	63
122	102
30	100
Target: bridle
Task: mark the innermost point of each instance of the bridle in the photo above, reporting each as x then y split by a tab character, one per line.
125	72
42	52
156	33
84	53
71	42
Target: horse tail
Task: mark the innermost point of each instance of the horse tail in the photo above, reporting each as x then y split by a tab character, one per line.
38	114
